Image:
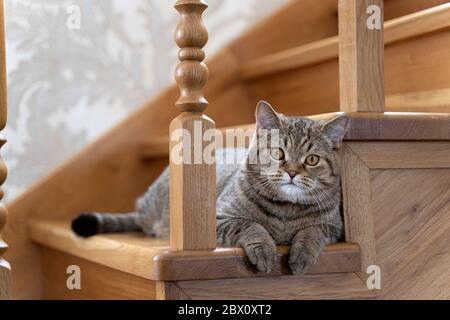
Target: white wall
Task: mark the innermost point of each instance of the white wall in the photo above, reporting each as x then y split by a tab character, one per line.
67	86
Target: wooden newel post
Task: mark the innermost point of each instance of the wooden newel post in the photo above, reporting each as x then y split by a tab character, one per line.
5	270
361	55
192	179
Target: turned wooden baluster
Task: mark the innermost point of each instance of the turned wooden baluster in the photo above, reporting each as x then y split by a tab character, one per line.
5	270
361	56
192	185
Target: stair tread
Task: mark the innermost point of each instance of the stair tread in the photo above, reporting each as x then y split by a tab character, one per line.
408	26
153	259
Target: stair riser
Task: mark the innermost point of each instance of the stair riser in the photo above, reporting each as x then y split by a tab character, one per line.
419	64
97	281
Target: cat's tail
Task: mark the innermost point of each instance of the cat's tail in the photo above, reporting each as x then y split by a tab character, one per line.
90	223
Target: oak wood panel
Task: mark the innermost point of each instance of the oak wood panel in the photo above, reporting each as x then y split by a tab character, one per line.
97	281
325	286
297	23
302	22
168	290
418	23
412	238
356	195
414	65
398	8
399	214
395	126
418	64
342	257
385	126
362	126
361	58
359	160
422	101
297	57
131	253
396	155
192	187
148	258
398	29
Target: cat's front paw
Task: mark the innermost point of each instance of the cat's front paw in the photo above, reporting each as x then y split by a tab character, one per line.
263	255
300	260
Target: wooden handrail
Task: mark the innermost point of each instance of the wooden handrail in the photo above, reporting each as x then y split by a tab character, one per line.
374	126
192	182
5	270
361	55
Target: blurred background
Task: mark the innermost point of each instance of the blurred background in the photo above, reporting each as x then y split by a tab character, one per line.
67	84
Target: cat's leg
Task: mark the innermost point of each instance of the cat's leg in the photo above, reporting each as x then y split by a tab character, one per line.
256	241
306	247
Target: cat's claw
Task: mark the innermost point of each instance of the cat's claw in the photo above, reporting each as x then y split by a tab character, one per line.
262	255
301	261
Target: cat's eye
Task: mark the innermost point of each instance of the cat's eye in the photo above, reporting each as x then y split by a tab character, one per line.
277	153
312	160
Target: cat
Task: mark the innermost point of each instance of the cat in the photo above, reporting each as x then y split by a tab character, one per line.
290	196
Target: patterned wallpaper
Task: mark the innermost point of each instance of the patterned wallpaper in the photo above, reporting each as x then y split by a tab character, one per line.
77	67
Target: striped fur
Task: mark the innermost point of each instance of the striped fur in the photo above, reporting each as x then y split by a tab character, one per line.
260	206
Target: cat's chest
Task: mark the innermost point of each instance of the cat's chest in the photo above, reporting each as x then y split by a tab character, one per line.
282	232
283	224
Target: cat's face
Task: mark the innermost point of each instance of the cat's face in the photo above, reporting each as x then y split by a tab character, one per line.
297	157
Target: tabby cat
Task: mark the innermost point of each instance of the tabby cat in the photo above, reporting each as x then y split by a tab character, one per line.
290	196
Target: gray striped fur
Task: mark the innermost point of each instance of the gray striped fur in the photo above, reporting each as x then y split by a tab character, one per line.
257	208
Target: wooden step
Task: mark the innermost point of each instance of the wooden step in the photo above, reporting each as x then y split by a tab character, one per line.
306	78
101	282
302	22
138	255
402	28
97	282
395	207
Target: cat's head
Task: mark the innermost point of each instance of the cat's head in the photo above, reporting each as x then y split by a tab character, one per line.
297	159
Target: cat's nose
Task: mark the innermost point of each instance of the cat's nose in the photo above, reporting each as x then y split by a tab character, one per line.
291	173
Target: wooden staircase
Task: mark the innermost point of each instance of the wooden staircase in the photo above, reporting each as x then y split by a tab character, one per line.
134	256
396	174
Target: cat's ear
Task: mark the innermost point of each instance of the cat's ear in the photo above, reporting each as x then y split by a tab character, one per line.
335	130
266	117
